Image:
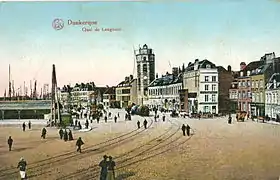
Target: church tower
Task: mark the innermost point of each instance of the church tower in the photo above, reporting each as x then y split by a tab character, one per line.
145	59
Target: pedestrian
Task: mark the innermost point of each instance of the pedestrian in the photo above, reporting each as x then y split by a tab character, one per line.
79	143
138	124
76	123
111	169
229	119
110	114
116	119
23	126
29	124
61	133
65	135
188	130
70	135
163	118
145	123
125	116
10	142
184	129
105	119
118	115
97	119
79	124
155	118
22	168
87	124
104	165
44	132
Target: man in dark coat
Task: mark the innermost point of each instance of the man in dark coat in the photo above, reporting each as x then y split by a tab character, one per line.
29	125
118	115
155	118
86	124
79	124
188	128
79	143
44	132
97	119
184	129
145	123
70	135
105	119
10	143
23	126
138	124
65	135
229	119
116	119
22	168
76	123
163	118
104	165
61	133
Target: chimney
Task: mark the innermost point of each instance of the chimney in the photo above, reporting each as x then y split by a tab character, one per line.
229	68
196	62
126	78
175	71
130	77
242	65
156	75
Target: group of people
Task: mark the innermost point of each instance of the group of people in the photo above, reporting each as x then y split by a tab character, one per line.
145	123
24	125
66	135
107	168
186	129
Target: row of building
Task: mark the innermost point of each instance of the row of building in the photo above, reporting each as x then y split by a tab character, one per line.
255	88
200	87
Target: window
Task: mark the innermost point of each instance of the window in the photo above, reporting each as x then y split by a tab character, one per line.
214	87
214	79
248	83
206	87
261	84
208	66
206	78
239	84
206	109
206	98
213	97
249	95
243	94
257	84
253	84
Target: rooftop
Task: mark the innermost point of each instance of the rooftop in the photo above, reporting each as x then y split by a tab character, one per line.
167	80
201	64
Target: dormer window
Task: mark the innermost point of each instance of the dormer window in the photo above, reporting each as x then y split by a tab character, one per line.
208	66
144	58
248	73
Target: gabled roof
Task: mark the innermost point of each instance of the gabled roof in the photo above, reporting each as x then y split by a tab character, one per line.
126	83
201	64
253	65
110	90
261	69
167	80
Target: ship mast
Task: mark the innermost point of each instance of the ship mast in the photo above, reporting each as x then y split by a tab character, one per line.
10	88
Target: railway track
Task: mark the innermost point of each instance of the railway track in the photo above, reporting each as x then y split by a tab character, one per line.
142	155
38	168
95	168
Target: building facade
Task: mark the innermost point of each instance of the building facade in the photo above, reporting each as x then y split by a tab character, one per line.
164	92
201	81
109	97
225	78
126	92
145	59
272	100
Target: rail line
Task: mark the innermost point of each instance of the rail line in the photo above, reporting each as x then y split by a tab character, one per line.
132	160
62	158
96	167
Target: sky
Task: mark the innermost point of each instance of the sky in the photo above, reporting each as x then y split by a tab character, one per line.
224	32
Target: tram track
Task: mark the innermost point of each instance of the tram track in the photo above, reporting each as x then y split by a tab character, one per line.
142	155
95	168
42	166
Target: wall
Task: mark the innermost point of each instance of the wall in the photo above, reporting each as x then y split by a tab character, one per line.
225	78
